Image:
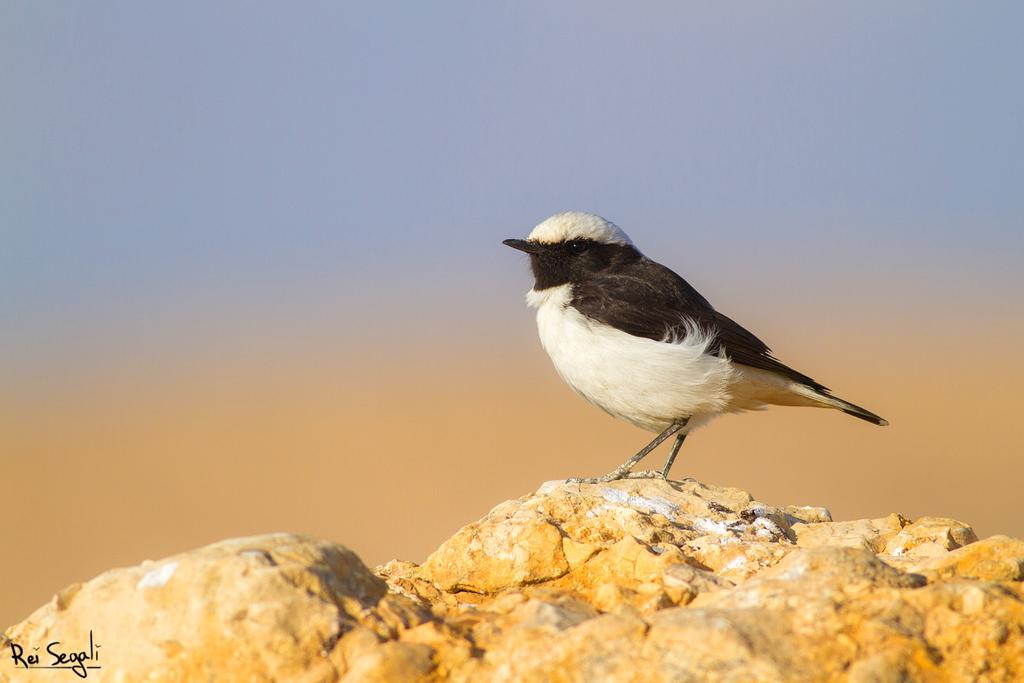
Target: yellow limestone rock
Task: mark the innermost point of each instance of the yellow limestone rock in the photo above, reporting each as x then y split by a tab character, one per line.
515	551
637	580
930	537
998	558
278	607
871	534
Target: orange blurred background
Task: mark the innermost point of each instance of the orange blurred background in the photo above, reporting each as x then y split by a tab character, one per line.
389	450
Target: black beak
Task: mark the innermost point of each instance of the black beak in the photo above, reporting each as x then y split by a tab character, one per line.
523	245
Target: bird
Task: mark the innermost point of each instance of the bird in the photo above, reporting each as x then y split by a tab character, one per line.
633	338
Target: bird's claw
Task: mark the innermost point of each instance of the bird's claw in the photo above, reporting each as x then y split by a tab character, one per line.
616	475
646	474
592	480
604	479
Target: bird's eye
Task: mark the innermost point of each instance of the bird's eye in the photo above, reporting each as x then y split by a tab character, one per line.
578	246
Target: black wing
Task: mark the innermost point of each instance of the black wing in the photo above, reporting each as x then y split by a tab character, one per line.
649	300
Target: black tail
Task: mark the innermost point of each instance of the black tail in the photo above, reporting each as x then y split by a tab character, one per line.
857	411
823	398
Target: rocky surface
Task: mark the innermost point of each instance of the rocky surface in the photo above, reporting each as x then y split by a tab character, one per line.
641	580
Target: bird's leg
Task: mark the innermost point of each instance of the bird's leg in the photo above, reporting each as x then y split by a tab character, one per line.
623	471
680	438
663	474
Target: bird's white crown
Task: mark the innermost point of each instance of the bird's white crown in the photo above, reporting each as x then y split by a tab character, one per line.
576	225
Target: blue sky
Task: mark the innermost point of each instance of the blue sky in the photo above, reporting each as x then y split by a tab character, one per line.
162	162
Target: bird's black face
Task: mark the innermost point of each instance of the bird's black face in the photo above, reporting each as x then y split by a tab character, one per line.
572	260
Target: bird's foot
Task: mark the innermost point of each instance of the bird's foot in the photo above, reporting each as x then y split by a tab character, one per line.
646	474
593	480
616	475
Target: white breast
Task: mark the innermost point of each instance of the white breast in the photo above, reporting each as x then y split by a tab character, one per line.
645	382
